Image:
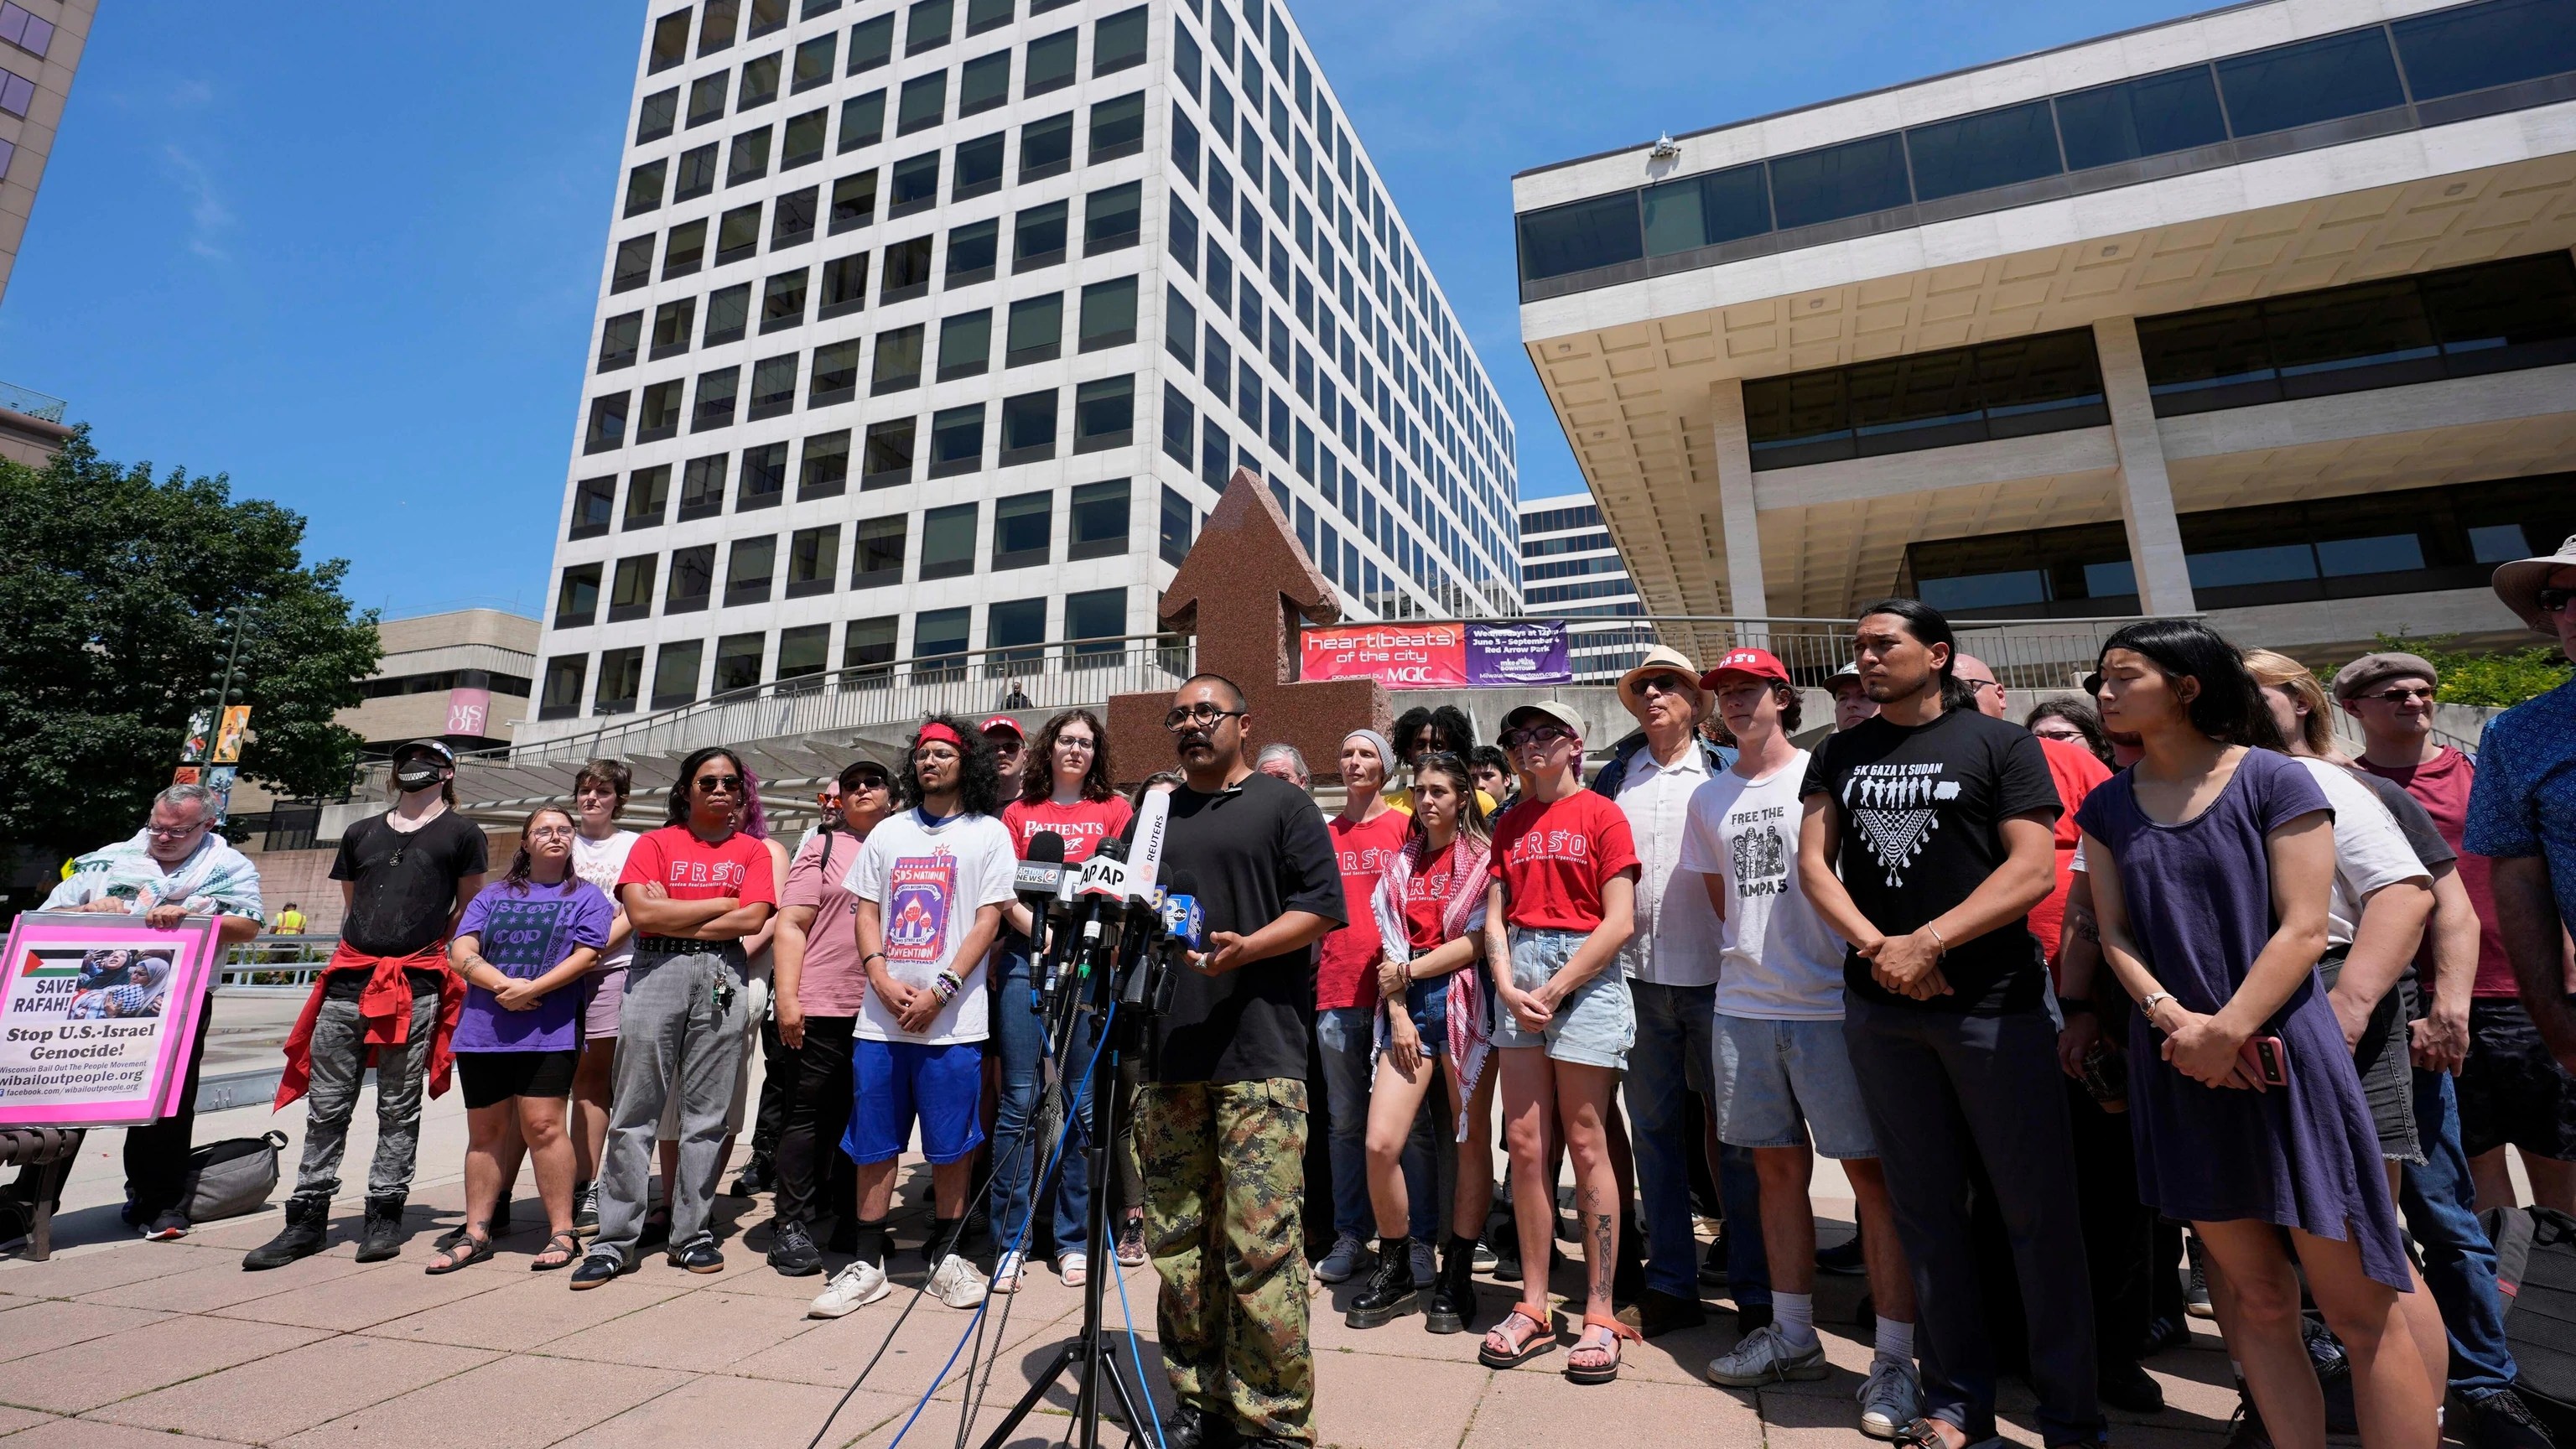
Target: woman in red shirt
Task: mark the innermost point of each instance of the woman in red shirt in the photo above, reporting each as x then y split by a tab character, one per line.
1430	914
1563	901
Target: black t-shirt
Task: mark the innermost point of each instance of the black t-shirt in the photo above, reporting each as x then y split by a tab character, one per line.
405	883
1258	851
1922	811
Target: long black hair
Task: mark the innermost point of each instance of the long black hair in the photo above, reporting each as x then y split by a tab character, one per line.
1929	627
979	776
2229	707
689	773
1038	784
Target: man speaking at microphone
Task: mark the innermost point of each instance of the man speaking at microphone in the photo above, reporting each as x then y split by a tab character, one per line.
1221	1121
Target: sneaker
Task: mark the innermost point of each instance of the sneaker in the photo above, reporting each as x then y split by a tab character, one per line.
1006	1274
1426	1266
1486	1261
2195	1300
1890	1398
1767	1358
1131	1245
851	1289
1074	1268
598	1268
2501	1420
169	1227
792	1251
698	1255
957	1284
1344	1262
1507	1261
585	1212
1842	1258
2164	1331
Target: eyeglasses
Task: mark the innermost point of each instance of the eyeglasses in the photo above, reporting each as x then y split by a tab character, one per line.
2401	695
551	832
1976	684
719	784
1203	715
2068	733
1075	742
2555	601
174	832
1546	734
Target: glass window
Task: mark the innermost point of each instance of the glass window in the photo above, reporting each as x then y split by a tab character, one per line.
767	17
1181	235
644	188
1010	631
1037	330
773	387
845	285
814	61
791	222
1581	235
717	393
1180	327
738	234
1705	210
2517	313
867	651
2263	564
2471	47
1118	41
984	83
1180	423
648	496
1097	614
913	185
854	202
562	696
630	593
717	25
871	43
693	572
619	337
697	173
592	501
948	541
805	651
1096	523
2315	80
939	643
836	374
577	596
2385	554
1023	530
702	487
676	668
621	679
738	659
782	301
1185	59
907	271
2496	542
983	15
929	25
707	98
748	568
749	158
956	440
759	82
686	249
1046	147
877	552
1112	218
655	118
1852	179
972	250
814	566
924	103
763	483
1173	538
979	168
966	344
898	360
1977	153
1987	591
1104	414
862	120
1037	237
888	458
802	141
670	41
1118	127
2149	116
1028	428
1108	314
824	470
1050	64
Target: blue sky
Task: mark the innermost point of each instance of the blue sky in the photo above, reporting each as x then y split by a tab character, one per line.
348	253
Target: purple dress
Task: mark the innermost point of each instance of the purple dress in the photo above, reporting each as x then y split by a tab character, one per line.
2199	901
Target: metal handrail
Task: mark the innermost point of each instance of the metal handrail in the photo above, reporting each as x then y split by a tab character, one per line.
276	961
43	407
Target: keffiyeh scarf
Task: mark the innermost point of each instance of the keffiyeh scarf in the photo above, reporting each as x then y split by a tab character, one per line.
1462	912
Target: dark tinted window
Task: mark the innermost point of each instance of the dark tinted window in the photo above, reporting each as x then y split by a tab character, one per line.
653	119
929	25
1581	235
1852	179
862	120
2149	116
2471	47
1046	147
979	168
1118	41
984	83
924	103
913	184
871	43
1974	153
1051	63
1705	210
971	252
1117	127
1928	400
2314	80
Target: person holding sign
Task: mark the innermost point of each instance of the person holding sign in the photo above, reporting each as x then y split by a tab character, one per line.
176	866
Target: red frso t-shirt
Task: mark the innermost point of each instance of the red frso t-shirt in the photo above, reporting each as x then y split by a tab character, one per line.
2075	772
1083	824
692	870
1553	858
1346	962
1426	900
2442	788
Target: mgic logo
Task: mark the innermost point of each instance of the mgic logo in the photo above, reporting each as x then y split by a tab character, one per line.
1412	674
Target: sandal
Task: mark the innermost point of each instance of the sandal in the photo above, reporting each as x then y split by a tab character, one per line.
563	1248
1503	1348
1601	1373
465	1252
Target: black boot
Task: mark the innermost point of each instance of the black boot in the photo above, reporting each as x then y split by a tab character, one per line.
1390	1293
384	1235
308	1223
1453	1298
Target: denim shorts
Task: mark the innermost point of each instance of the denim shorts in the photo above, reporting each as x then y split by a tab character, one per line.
1592	1028
1781	1082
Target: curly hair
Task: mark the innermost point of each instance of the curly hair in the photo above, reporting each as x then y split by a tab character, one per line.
1038	781
979	776
1452	732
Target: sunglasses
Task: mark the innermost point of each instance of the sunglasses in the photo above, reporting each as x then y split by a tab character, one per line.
2555	601
2400	695
719	784
1546	734
1664	684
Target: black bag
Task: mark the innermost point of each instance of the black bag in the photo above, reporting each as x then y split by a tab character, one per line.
2536	1274
229	1178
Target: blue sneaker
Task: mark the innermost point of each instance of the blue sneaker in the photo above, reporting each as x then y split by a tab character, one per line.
1346	1261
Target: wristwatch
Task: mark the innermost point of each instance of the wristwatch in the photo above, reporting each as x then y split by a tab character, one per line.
2154	999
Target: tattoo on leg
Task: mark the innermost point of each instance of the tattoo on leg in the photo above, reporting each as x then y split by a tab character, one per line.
1602	1251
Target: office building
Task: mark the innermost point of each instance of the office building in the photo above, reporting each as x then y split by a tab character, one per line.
932	328
40	48
1570	569
2267	313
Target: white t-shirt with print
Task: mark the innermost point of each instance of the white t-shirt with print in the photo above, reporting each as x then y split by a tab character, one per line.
928	882
2370	851
1778	961
602	862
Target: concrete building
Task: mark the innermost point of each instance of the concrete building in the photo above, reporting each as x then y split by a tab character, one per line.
40	48
2267	313
930	329
1570	569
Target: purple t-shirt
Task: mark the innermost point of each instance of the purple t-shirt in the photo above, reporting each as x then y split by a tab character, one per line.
527	934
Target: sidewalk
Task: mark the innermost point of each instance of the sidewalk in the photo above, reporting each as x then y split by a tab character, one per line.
122	1344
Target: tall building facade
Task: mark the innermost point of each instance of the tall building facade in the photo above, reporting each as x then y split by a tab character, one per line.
1571	570
2267	313
40	48
934	327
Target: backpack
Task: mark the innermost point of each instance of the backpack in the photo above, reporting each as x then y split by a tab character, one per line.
229	1178
2536	1274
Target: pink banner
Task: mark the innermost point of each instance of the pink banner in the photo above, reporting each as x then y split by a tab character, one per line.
98	1016
1399	656
468	712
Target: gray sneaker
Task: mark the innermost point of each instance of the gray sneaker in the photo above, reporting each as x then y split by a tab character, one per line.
1890	1399
1766	1357
1344	1262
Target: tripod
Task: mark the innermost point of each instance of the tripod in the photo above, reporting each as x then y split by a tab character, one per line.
1089	1350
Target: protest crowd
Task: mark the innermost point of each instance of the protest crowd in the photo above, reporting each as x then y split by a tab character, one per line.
2157	1004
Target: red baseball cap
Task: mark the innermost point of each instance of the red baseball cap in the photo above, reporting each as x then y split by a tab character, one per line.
1003	722
1760	663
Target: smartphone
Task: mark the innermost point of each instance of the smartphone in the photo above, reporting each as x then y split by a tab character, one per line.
2270	1062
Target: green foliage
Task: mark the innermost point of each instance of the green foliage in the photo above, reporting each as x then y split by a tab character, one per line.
116	590
2497	678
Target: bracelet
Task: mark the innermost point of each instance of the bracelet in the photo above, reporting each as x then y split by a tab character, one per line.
871	956
947	985
1937	939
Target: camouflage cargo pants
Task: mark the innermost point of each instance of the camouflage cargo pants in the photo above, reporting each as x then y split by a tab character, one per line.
1225	1174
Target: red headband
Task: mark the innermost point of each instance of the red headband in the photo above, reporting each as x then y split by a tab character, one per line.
935	731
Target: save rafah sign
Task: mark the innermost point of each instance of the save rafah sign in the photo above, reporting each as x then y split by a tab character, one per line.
1440	656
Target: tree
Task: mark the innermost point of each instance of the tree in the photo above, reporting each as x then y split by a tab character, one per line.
116	593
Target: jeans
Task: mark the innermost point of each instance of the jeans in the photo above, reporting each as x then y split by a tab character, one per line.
339	1058
2459	1263
1675	1030
1348	1035
1019	1037
671	1040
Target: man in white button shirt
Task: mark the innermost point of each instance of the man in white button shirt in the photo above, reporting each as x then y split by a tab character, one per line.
1671	966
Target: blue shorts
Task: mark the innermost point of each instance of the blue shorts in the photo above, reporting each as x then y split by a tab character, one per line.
1593	1028
1780	1082
896	1083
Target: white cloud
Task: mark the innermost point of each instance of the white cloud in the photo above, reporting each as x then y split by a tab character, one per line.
207	215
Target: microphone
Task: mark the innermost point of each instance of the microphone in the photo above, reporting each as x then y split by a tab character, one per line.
1183	928
1036	882
1098	890
1184	923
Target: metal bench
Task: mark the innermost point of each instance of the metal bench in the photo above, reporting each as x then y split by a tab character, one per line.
51	1151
